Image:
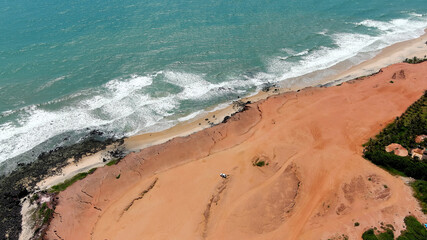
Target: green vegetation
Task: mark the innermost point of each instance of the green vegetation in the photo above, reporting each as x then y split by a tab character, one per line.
92	170
414	231
34	198
356	224
403	131
415	60
386	235
420	189
118	176
40	217
369	235
260	164
44	213
113	162
62	186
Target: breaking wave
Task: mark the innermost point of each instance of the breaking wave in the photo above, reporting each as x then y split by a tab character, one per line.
142	103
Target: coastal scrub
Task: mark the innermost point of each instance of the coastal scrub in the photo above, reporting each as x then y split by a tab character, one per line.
62	186
414	231
415	60
403	130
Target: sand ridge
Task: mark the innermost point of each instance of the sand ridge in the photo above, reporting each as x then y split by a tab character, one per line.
316	184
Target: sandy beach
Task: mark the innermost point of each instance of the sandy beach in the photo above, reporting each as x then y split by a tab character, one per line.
296	142
390	55
213	120
314	184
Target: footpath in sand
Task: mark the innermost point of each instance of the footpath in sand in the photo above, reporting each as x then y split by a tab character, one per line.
315	184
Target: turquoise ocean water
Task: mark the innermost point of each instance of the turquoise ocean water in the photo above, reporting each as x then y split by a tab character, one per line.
125	67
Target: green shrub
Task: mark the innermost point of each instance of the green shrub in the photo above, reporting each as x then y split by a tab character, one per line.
387	235
414	230
260	163
356	224
369	235
420	192
415	60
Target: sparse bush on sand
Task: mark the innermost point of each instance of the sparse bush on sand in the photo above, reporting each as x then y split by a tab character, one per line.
259	163
415	60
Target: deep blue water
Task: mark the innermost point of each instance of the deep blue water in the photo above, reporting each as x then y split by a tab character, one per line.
67	67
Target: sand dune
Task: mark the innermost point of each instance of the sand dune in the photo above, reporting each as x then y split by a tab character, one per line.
315	184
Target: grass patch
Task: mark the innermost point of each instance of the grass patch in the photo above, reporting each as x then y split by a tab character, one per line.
45	213
42	214
113	162
62	186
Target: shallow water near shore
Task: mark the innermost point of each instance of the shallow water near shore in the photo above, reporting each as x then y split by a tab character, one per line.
130	67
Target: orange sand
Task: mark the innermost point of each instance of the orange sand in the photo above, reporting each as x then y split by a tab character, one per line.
397	149
316	184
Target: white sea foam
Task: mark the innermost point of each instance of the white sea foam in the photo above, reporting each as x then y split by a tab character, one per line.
120	105
194	86
125	105
112	103
289	51
323	32
190	116
348	45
